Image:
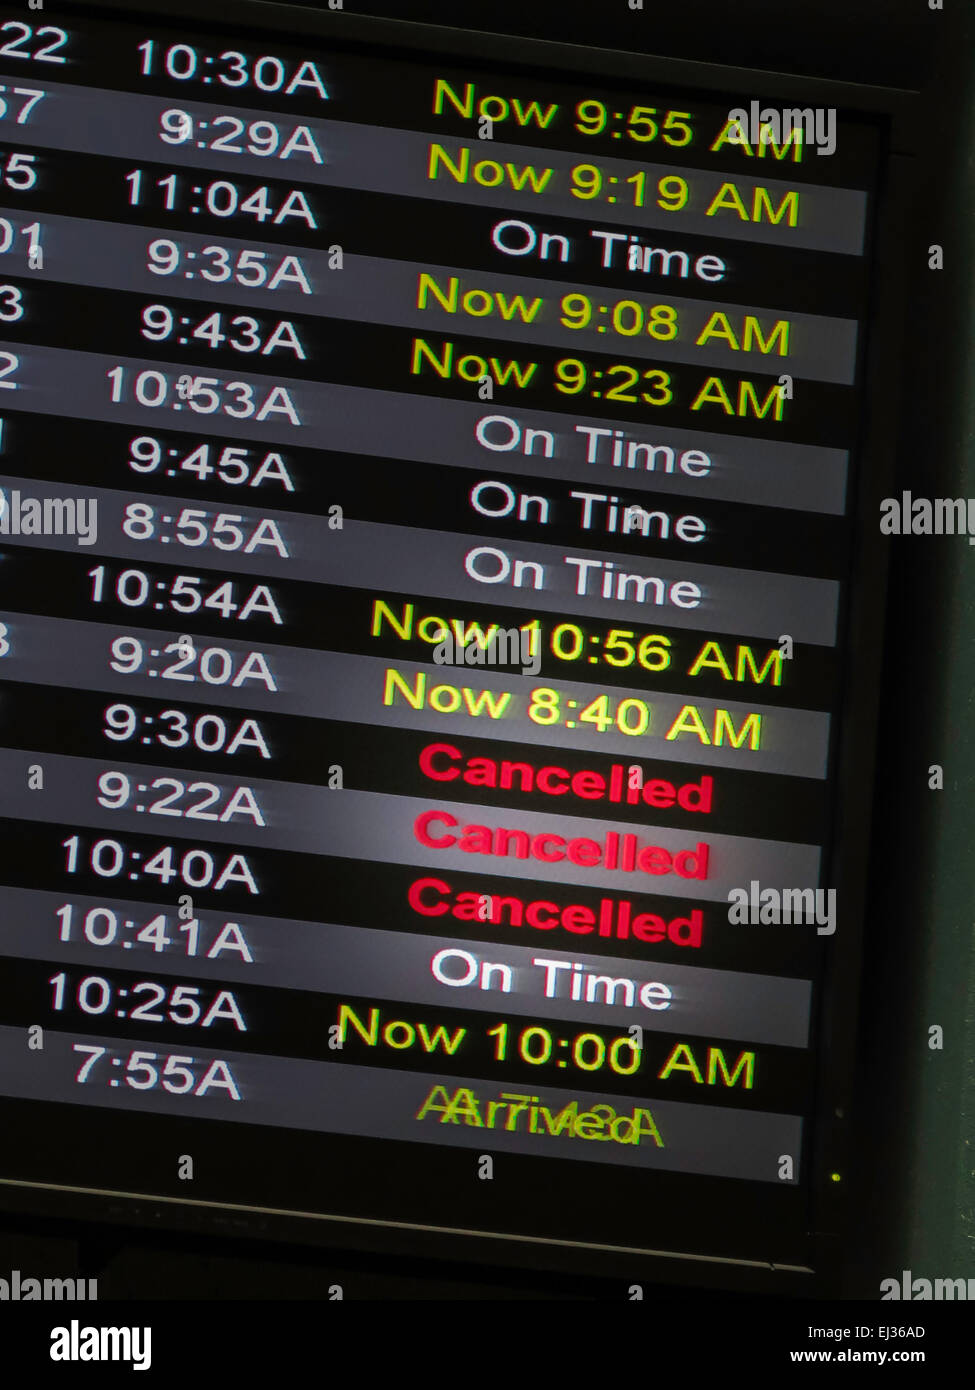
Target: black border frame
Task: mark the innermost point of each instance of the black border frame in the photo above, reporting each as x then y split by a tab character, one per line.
862	649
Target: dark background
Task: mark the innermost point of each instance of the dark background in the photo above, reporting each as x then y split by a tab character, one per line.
910	1126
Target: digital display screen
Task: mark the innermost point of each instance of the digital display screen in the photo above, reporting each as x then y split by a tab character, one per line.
428	509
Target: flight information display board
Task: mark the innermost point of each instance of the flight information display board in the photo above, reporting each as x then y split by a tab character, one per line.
426	547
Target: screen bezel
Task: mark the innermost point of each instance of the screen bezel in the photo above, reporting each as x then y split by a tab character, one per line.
862	651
